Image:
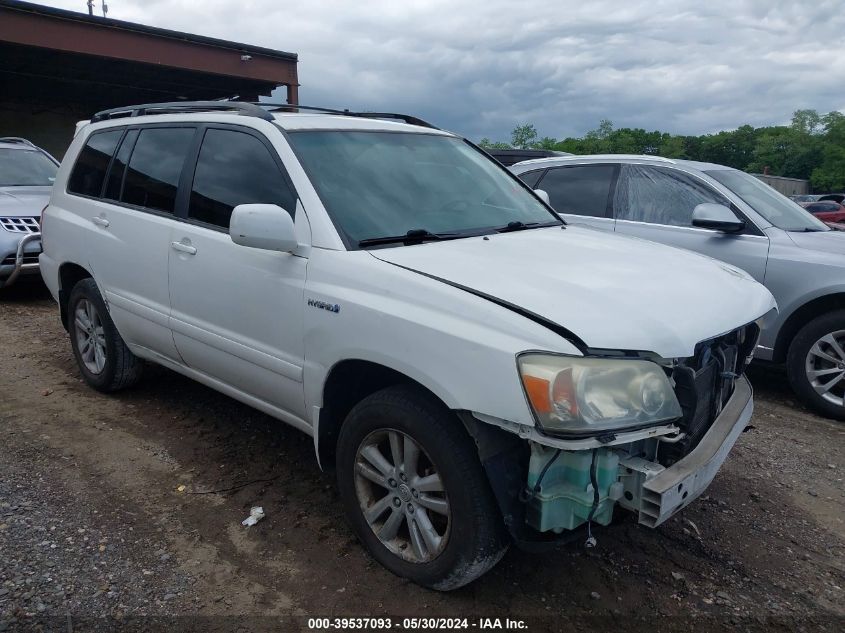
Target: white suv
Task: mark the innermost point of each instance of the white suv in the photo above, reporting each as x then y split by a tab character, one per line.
476	371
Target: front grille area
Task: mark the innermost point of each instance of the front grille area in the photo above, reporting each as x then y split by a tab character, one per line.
705	382
28	258
20	225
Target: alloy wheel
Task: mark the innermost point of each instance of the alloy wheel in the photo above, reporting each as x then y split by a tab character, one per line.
402	496
825	367
90	337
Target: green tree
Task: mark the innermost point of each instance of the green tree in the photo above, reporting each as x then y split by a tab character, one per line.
597	141
830	174
547	142
806	122
811	147
486	143
524	136
785	151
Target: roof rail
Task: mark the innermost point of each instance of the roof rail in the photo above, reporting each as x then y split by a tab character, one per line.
260	109
18	140
241	107
405	118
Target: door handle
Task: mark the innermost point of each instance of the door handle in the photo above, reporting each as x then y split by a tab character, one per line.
100	221
183	248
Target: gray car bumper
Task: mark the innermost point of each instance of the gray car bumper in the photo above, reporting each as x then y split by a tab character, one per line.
28	245
678	485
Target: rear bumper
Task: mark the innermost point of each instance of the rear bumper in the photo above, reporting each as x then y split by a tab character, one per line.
28	245
674	488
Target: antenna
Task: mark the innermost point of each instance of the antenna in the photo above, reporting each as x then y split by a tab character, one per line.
91	7
105	8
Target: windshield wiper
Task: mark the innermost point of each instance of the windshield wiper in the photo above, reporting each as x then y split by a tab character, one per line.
414	236
518	225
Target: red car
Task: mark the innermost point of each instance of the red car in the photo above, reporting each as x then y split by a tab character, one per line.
826	210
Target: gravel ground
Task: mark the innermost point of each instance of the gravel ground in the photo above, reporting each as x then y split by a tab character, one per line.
123	512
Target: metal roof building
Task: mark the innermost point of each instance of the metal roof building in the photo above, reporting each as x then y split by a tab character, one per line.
59	66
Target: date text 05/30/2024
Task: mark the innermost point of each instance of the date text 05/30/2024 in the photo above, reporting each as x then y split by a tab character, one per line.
416	624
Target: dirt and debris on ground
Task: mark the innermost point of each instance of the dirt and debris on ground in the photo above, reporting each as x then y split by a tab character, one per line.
109	516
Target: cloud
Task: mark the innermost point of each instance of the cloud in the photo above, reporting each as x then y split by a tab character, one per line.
479	67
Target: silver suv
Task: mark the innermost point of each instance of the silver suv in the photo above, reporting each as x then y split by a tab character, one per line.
729	215
27	173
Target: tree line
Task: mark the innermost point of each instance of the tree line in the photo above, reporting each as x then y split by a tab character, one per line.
811	147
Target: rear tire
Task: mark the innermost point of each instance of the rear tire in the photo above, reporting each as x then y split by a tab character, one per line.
448	533
815	364
103	358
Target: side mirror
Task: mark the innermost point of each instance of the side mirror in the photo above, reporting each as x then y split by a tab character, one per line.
709	215
265	226
543	196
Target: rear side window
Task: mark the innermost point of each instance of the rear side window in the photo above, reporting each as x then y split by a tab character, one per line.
114	184
89	172
235	168
530	178
660	196
152	176
579	189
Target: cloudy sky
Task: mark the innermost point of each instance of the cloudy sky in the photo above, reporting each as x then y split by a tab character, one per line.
479	67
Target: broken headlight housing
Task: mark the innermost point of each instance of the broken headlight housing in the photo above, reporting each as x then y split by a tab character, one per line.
581	395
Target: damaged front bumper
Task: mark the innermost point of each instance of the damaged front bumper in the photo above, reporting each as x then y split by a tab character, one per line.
669	490
548	488
20	265
567	488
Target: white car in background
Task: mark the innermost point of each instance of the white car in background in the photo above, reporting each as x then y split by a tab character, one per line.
476	371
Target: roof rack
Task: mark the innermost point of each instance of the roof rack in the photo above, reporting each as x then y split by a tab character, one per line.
241	107
260	109
405	118
18	140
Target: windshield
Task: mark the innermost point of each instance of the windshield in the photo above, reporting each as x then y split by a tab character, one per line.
20	167
379	184
776	208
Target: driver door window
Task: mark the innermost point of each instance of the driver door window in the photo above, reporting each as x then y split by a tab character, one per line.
656	204
656	195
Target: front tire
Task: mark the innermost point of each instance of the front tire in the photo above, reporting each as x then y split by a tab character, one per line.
104	359
815	364
414	490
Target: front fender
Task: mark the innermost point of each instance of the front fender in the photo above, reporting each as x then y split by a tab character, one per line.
459	346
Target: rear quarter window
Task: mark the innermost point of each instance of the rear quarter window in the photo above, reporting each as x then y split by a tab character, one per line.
89	172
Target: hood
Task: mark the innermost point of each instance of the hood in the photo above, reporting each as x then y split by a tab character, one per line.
23	201
828	241
612	292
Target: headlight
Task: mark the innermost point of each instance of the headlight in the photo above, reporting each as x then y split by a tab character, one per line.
584	395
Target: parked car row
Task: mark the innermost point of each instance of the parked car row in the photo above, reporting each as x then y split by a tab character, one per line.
476	362
826	210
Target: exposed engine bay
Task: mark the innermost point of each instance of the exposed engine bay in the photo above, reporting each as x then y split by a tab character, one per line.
568	488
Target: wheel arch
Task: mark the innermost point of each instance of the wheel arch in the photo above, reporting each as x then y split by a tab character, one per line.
70	274
348	382
801	316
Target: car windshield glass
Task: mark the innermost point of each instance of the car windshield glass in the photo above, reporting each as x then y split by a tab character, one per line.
21	167
774	207
378	184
